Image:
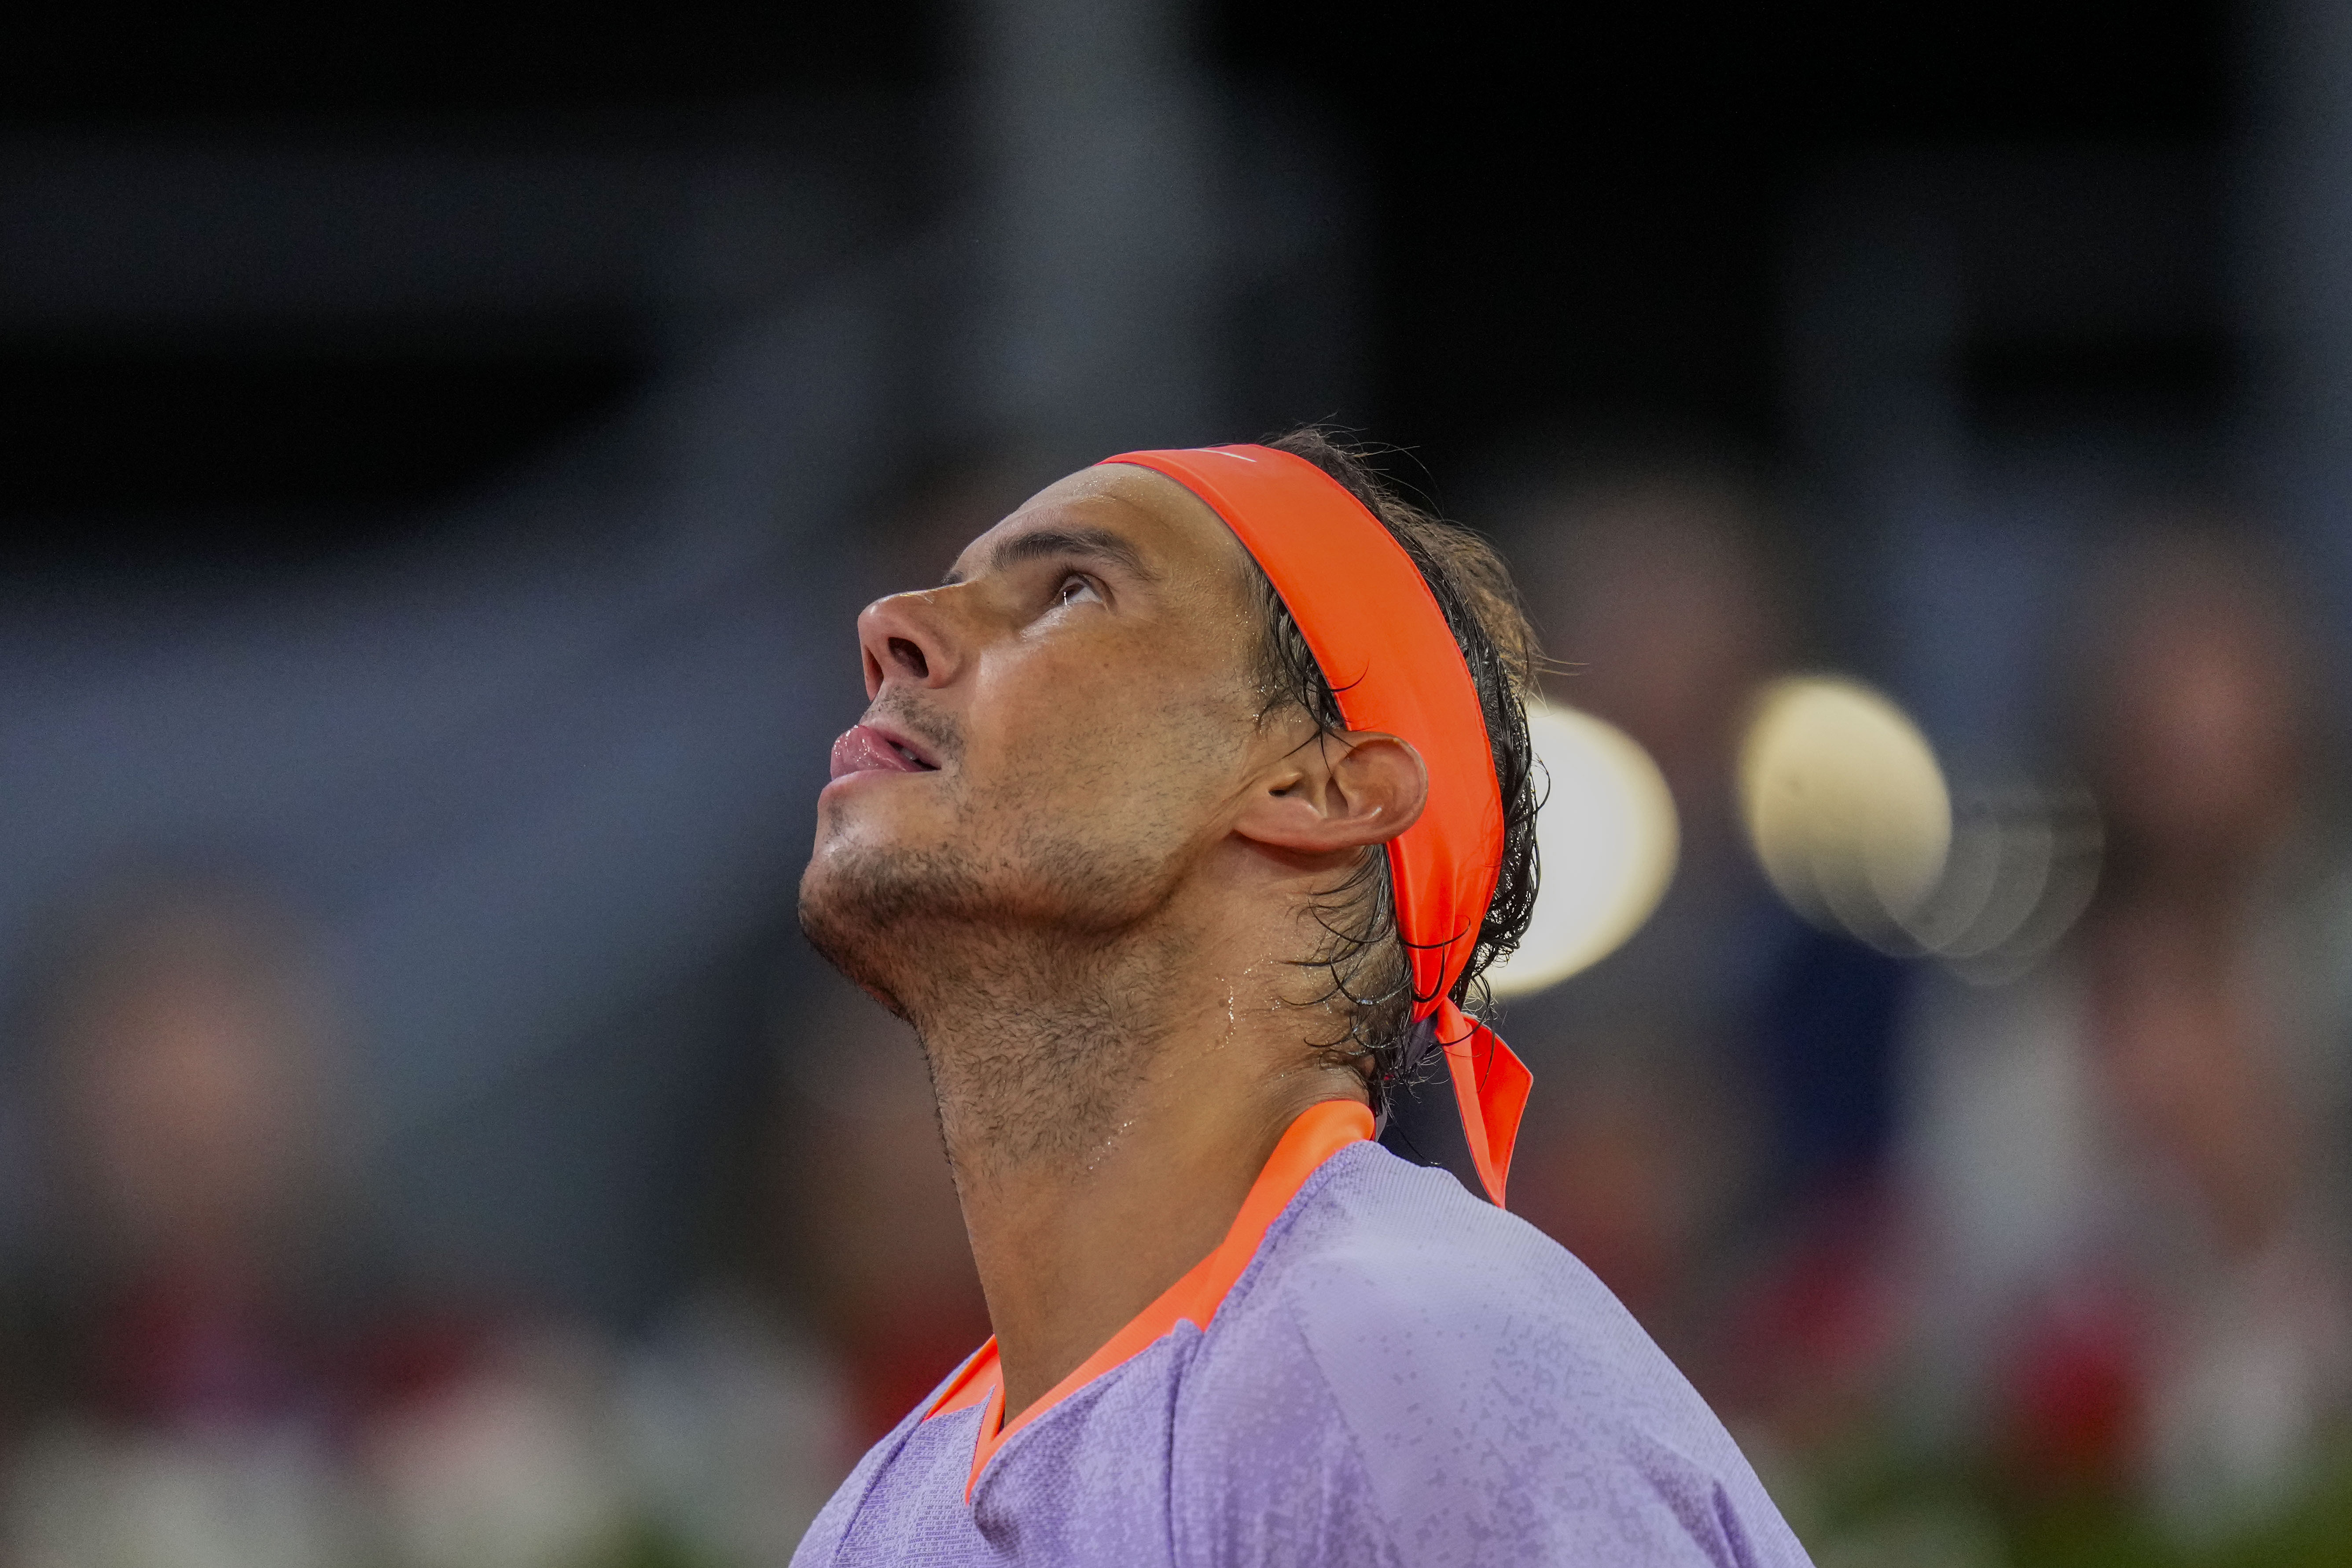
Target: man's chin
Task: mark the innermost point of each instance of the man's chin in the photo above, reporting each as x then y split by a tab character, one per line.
867	908
842	937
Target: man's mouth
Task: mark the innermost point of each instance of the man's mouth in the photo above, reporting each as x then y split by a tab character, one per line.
864	748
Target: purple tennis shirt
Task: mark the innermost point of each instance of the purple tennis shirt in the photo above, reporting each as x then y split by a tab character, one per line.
1403	1375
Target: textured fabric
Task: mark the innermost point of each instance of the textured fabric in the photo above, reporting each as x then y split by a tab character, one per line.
1404	1376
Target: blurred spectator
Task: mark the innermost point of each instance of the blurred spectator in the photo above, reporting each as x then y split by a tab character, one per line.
1719	1070
212	1361
2129	1194
177	1386
1649	590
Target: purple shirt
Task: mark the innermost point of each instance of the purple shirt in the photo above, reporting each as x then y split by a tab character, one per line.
1404	1376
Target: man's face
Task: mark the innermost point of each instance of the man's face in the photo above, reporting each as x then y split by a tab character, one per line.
1055	735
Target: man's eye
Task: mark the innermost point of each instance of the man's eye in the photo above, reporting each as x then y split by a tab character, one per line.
1075	590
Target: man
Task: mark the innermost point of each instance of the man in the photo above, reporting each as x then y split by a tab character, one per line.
1182	820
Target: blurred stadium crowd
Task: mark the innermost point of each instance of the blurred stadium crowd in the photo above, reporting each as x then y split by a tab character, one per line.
423	1139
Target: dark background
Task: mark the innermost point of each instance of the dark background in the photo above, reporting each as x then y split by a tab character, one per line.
1579	216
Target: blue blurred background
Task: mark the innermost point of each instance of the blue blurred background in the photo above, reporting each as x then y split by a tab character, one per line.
442	451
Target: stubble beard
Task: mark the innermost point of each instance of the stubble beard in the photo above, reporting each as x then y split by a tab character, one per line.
1037	986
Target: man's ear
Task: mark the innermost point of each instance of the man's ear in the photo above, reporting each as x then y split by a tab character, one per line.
1338	792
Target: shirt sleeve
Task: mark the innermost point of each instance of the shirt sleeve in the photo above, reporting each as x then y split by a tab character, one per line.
1469	1424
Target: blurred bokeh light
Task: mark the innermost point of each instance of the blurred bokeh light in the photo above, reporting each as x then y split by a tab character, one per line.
1606	839
1845	804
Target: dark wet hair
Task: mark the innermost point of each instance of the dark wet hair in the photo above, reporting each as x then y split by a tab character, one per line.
1361	953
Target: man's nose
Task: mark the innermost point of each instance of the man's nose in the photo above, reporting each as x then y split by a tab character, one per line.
905	639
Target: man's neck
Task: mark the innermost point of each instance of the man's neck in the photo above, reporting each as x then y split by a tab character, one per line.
1105	1126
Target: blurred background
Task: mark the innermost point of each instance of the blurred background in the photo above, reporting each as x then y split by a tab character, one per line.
442	451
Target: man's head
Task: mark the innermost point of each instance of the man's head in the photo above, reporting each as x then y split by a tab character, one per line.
1104	729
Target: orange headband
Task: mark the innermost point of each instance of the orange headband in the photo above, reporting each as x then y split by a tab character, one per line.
1381	641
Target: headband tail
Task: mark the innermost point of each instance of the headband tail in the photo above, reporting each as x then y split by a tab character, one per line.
1490	1085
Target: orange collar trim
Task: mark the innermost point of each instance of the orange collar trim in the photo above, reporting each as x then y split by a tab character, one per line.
1320	1132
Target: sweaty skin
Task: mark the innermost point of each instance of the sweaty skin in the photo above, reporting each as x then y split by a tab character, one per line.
1068	845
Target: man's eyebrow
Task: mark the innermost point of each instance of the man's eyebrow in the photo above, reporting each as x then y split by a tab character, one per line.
1099	542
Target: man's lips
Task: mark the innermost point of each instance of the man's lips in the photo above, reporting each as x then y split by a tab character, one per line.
865	749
